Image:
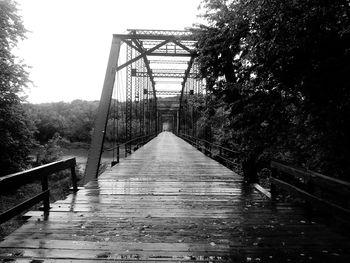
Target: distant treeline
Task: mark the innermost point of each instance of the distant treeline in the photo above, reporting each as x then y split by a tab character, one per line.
74	121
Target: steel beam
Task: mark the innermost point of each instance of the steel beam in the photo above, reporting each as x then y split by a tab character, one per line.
162	32
128	101
137	84
149	51
130	44
183	46
155	37
95	152
157	61
168	92
165	75
183	90
159	54
149	71
150	74
142	100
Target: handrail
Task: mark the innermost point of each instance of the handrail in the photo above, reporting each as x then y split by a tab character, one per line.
37	173
127	142
213	144
208	150
311	176
323	191
117	147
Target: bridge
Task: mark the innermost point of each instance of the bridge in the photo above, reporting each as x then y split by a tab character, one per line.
174	197
169	202
159	62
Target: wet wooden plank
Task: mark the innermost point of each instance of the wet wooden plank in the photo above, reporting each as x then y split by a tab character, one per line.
168	203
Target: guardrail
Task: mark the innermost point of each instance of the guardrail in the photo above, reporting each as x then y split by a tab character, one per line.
137	142
325	192
226	156
38	173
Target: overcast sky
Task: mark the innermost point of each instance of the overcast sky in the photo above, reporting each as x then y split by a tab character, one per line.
69	42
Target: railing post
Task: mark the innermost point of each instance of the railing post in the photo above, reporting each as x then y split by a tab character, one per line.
41	173
45	187
273	188
118	153
74	179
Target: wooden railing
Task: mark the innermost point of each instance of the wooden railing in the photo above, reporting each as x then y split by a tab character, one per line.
40	173
224	155
327	193
137	142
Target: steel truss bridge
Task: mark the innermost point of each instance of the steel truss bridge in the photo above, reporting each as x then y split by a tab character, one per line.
158	63
170	202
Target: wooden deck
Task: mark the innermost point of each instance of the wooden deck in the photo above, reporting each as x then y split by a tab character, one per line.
168	203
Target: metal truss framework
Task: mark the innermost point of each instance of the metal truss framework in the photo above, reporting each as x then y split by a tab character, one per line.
154	58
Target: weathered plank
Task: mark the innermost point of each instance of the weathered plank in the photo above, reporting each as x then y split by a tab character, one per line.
168	202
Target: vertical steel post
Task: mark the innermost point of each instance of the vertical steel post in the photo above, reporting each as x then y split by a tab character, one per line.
137	91
128	102
118	152
142	100
148	109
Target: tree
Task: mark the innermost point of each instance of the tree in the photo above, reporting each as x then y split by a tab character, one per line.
304	48
16	130
280	68
49	152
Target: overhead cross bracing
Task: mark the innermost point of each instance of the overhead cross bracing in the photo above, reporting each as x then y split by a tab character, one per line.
167	54
159	63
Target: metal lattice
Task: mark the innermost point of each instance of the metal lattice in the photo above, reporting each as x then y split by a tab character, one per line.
142	100
158	63
128	100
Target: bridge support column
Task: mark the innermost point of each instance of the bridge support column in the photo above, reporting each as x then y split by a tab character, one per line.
95	152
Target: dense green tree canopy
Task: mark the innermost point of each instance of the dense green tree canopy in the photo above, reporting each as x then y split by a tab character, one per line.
280	69
15	128
73	121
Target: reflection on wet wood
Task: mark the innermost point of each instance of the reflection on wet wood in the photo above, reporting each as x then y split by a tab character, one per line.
167	203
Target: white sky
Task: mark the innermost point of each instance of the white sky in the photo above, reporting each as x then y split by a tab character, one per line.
69	42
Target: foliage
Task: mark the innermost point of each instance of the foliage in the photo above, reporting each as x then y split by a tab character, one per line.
16	129
278	70
71	120
49	152
74	121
